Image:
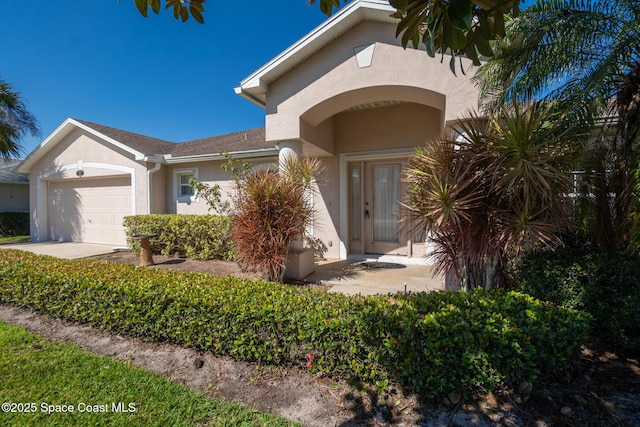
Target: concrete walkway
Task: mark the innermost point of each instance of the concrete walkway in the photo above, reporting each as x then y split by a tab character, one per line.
68	250
368	278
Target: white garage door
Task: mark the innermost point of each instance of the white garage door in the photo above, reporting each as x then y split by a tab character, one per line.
90	210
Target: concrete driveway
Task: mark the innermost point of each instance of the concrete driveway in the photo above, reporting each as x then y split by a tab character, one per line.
68	250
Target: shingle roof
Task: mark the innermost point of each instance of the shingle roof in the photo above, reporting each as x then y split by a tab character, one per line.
142	143
7	174
247	140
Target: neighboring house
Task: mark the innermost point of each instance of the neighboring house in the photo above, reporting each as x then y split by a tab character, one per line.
14	188
347	93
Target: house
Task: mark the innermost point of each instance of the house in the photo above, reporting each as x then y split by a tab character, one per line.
14	188
347	93
86	177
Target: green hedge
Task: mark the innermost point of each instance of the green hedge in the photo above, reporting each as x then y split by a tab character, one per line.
14	224
430	343
194	236
604	284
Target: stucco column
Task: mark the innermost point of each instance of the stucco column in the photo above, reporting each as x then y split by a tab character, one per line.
300	262
288	150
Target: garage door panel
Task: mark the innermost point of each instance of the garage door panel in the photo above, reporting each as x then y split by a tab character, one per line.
89	210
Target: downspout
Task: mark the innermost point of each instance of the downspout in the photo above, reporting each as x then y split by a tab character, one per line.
158	159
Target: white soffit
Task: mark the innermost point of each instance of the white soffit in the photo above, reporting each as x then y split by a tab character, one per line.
256	85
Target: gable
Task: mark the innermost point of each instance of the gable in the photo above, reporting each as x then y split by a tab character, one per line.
255	86
359	64
80	147
67	129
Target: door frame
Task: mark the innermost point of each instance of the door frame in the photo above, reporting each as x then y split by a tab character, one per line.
344	160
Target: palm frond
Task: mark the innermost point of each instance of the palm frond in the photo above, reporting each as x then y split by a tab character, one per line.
15	121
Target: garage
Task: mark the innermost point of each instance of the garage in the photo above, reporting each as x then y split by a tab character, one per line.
89	210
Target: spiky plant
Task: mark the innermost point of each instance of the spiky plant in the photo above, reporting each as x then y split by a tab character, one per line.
271	211
582	55
494	193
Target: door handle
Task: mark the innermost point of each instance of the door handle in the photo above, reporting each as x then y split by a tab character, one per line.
366	214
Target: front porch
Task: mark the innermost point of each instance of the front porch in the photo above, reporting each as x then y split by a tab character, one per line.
375	275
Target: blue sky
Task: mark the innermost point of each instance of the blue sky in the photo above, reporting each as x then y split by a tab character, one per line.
101	61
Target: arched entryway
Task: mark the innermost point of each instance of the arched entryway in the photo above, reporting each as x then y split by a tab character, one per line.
365	136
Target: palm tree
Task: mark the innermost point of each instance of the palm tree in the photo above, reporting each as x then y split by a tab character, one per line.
626	173
565	50
15	121
493	193
582	55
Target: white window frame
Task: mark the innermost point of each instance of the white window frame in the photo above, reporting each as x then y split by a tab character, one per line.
177	174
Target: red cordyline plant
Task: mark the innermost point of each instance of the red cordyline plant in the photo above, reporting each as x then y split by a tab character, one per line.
493	194
271	211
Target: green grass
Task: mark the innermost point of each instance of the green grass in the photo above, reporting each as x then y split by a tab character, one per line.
13	239
40	373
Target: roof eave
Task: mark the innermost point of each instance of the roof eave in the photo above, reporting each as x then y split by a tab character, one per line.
58	135
260	101
246	154
15	182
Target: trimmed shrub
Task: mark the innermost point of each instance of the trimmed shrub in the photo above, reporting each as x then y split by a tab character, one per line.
14	224
194	236
430	343
604	284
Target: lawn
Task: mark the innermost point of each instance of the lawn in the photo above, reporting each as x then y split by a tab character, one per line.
13	239
46	384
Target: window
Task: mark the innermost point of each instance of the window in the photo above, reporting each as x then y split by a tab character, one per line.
185	189
183	192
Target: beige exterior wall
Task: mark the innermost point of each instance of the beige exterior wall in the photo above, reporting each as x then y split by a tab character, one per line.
327	207
332	81
97	159
208	172
158	190
399	126
14	197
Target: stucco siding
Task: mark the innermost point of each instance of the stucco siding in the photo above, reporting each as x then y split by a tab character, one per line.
332	81
158	190
399	126
14	197
326	221
207	172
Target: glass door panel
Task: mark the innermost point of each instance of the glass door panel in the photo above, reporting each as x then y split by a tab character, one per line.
386	180
382	209
356	203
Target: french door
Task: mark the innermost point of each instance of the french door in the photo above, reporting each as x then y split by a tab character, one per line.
376	190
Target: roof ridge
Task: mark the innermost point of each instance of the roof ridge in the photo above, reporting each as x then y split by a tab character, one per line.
254	139
93	124
239	132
